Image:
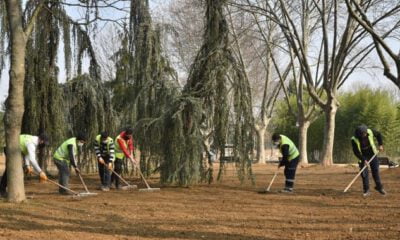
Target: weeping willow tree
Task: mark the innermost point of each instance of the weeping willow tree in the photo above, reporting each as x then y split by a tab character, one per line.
144	85
42	95
205	104
89	110
46	108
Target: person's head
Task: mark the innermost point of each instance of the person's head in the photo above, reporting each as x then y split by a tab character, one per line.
81	139
276	139
361	131
43	140
104	136
128	132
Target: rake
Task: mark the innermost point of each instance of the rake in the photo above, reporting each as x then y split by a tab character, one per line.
359	173
75	194
128	186
148	189
270	183
87	193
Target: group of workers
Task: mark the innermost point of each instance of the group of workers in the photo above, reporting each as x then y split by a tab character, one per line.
364	148
110	157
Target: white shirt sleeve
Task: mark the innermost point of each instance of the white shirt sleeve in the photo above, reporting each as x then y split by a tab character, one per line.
32	156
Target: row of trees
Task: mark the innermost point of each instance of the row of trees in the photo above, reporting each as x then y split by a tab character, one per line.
378	109
249	54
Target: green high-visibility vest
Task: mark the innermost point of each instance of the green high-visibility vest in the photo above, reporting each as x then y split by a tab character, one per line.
293	151
62	151
23	140
371	141
118	151
109	141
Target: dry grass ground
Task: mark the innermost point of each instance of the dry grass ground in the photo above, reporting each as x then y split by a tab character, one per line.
317	210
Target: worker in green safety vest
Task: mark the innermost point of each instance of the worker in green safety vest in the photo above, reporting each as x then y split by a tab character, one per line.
124	149
290	159
28	145
105	151
65	156
364	147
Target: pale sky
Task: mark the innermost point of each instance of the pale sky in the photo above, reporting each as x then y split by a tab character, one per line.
373	78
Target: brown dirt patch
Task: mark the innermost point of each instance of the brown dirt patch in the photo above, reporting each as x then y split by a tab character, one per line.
318	210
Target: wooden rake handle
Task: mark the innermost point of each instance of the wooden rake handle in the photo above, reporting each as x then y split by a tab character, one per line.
359	173
61	186
83	182
272	181
141	174
116	174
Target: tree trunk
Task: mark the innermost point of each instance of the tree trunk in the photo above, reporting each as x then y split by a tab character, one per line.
329	133
15	103
261	144
261	128
303	130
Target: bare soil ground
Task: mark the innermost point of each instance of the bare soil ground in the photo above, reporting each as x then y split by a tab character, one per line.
227	210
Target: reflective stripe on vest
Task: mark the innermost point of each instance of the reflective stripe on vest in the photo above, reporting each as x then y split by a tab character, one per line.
109	141
371	141
118	151
62	151
23	140
293	152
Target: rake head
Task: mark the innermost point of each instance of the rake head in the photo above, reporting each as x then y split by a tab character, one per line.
86	194
263	191
149	189
129	187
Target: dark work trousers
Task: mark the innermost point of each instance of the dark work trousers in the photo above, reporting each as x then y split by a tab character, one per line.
290	172
374	165
118	169
63	175
104	172
3	183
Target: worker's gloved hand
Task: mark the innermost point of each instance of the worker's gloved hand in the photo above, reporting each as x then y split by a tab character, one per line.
42	176
381	149
133	160
29	170
101	160
280	164
77	170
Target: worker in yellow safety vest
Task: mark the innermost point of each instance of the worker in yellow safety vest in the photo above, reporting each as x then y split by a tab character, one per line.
290	159
364	148
65	156
28	145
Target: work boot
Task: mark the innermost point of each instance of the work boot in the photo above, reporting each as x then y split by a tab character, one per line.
393	164
65	193
286	190
3	194
366	193
380	190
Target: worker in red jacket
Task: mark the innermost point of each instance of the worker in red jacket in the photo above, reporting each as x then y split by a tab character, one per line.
123	149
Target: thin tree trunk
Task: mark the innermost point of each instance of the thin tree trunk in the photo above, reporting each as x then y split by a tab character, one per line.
15	104
261	129
329	134
303	130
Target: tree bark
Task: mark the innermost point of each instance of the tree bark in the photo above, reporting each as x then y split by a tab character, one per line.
303	130
15	103
329	133
261	129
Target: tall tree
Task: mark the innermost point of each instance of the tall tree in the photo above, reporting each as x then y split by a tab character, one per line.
362	13
337	52
19	31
